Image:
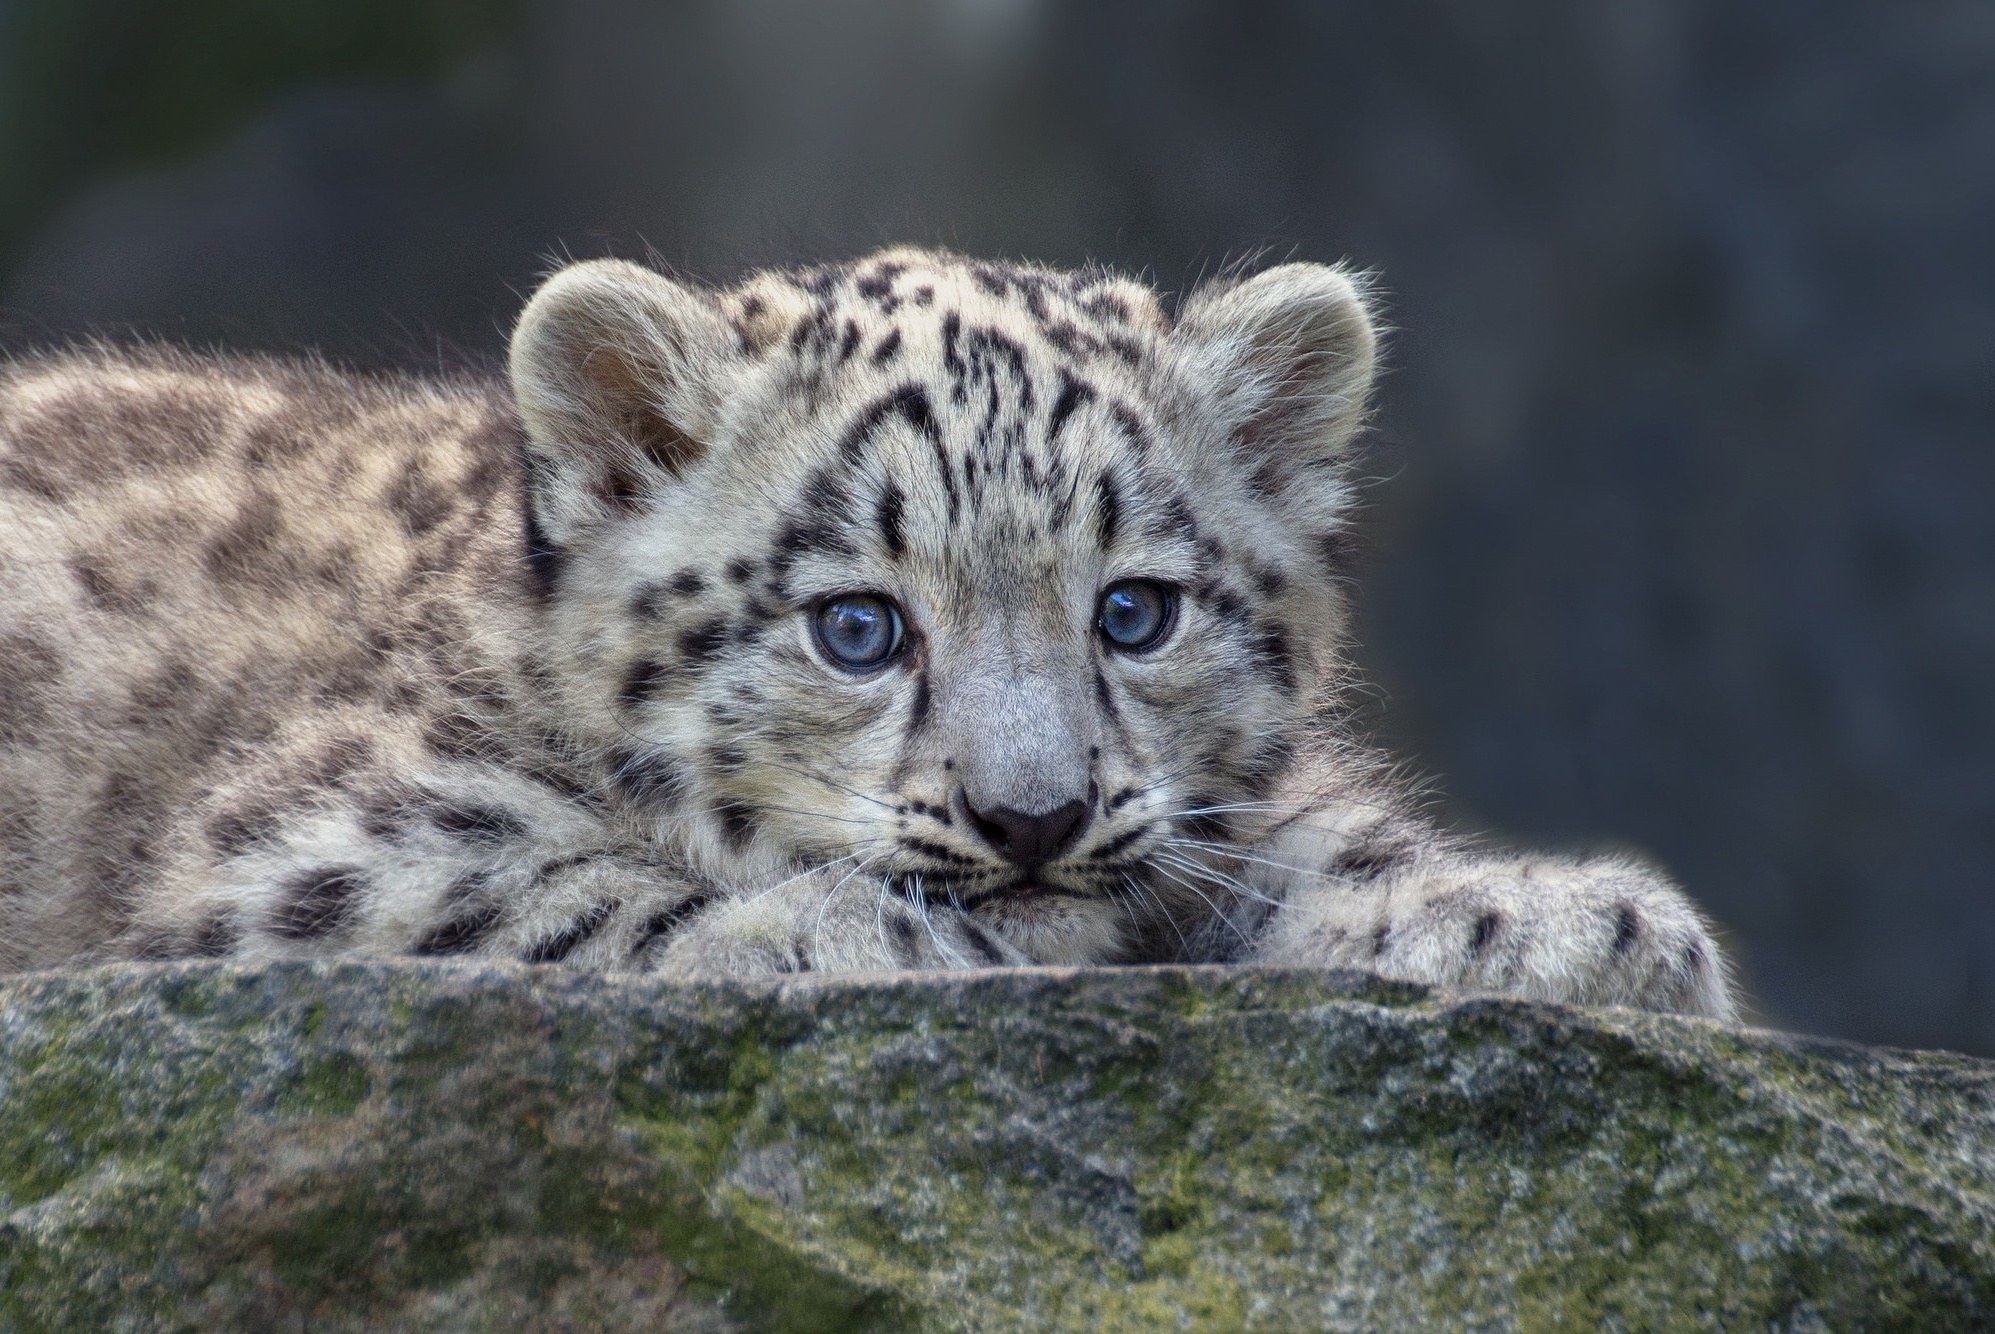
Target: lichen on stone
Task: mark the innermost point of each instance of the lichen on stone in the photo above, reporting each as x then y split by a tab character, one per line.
435	1146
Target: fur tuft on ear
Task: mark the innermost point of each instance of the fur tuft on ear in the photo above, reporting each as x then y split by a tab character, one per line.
616	370
1293	351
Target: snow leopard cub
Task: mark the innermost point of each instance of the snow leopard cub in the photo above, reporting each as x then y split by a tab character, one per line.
912	613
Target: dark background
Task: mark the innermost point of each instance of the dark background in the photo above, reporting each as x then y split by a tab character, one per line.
1687	455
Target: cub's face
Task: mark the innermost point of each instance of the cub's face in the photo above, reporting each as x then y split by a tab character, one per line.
981	583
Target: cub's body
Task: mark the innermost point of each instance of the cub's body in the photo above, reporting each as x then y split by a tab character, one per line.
294	663
238	593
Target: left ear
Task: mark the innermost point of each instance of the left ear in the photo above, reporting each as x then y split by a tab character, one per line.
1292	352
617	372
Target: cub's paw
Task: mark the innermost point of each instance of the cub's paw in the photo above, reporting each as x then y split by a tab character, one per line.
1602	931
826	922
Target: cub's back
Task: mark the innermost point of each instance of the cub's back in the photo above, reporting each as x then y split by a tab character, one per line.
201	554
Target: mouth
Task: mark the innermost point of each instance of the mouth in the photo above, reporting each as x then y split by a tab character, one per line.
1030	889
1024	891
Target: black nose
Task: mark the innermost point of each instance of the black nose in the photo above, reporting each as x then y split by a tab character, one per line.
1028	841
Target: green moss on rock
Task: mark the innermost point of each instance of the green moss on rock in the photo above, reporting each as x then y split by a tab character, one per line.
475	1147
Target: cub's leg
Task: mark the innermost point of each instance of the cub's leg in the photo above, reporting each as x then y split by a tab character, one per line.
1588	931
428	859
341	880
421	859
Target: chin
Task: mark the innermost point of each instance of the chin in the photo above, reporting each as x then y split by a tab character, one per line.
1057	926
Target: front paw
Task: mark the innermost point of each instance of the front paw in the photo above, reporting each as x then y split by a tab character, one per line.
825	922
1595	932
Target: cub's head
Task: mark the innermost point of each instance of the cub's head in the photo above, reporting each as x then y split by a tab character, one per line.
992	585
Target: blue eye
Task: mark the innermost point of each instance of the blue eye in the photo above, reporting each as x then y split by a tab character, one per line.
1136	614
858	631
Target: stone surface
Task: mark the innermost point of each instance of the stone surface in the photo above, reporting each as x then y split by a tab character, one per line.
435	1147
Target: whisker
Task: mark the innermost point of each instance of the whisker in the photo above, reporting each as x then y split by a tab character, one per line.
812	775
942	947
816	815
1219	878
807	872
1136	891
835	786
817	928
1236	855
1216	913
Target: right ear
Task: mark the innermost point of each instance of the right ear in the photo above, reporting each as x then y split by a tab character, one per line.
1296	349
616	371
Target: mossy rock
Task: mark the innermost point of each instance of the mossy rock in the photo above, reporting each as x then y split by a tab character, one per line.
476	1147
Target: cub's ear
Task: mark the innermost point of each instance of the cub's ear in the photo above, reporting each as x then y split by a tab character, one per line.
617	372
1291	351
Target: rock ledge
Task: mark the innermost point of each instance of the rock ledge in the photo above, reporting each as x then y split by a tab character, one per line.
475	1147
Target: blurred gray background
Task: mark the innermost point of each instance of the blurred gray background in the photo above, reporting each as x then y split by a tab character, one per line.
1682	533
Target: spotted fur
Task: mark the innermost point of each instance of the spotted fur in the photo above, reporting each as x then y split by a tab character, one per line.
294	663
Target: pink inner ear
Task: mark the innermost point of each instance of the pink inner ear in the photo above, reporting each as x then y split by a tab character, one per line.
1320	380
625	395
663	443
1309	351
1298	402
